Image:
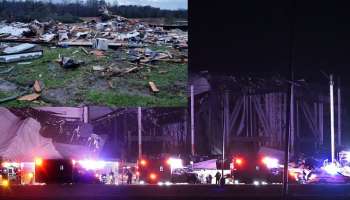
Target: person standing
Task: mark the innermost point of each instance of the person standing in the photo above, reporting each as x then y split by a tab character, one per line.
217	177
129	174
210	178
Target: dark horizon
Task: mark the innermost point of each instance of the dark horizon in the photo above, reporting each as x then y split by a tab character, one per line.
255	37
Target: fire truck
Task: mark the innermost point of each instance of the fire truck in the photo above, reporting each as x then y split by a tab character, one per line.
53	171
157	170
256	168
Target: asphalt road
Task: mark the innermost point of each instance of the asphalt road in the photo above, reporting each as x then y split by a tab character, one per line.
193	192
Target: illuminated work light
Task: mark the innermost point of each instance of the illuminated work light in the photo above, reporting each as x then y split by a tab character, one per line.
92	164
30	175
38	161
270	162
5	183
174	163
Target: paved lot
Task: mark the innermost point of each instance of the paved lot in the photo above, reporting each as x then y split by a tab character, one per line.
143	192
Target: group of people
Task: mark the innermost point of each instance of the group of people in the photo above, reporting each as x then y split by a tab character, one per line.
209	178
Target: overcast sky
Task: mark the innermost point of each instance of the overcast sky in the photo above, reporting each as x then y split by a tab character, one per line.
163	4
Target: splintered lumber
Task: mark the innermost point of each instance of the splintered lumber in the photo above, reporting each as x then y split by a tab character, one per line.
29	97
6	99
162	72
173	60
131	69
7	70
98	68
153	86
89	44
110	84
37	87
84	50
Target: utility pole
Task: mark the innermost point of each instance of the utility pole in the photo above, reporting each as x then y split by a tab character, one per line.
223	148
339	114
289	98
292	114
331	84
224	133
286	138
139	129
192	120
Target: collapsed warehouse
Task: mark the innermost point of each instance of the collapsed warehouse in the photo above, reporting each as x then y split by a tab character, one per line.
247	111
251	111
91	132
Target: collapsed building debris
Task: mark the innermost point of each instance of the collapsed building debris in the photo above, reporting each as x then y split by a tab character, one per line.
112	51
117	30
100	43
20	52
67	62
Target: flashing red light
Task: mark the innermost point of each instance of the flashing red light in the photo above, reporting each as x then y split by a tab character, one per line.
143	162
152	176
137	173
293	175
239	161
38	161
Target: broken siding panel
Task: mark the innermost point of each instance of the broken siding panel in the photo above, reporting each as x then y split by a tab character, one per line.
20	57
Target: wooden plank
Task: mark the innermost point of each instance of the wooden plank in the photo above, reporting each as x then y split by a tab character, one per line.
37	87
84	50
29	97
153	86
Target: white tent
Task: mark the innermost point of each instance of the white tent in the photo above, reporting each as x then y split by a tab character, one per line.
20	140
208	164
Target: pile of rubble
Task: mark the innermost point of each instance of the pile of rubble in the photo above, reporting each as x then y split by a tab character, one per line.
116	32
128	44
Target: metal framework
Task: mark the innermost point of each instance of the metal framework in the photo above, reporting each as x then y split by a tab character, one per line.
254	110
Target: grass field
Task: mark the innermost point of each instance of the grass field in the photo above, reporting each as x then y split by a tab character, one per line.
82	85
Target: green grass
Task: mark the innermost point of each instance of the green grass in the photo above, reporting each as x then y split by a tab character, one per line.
82	83
50	72
112	99
14	103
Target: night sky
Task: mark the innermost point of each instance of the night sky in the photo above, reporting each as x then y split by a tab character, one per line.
253	37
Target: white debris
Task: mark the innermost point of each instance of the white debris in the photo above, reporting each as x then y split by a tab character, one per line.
62	35
100	43
18	48
123	36
47	37
14	31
